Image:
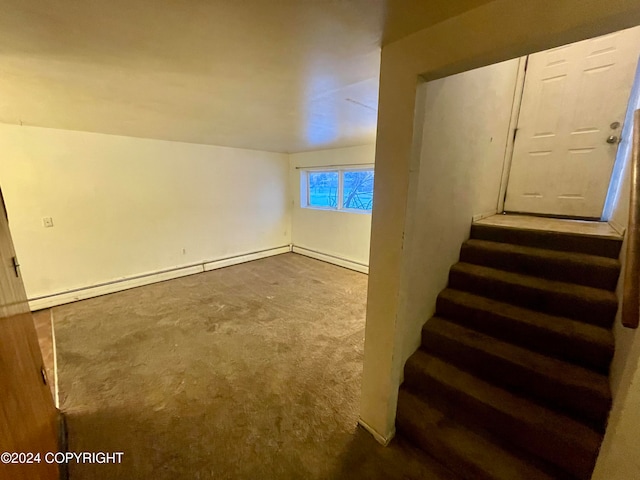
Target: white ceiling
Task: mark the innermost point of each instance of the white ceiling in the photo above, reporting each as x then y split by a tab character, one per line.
276	75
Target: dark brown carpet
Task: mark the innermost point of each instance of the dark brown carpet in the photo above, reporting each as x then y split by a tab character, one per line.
248	372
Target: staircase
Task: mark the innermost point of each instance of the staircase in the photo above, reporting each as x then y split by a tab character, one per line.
511	379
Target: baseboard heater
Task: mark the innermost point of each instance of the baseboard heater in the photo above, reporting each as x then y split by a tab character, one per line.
83	293
334	259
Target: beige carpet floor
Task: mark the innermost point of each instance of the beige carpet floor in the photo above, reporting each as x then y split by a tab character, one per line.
247	372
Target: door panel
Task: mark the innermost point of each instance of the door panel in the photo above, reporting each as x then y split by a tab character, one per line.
562	162
28	419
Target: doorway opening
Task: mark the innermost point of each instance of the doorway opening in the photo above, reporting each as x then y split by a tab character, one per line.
572	134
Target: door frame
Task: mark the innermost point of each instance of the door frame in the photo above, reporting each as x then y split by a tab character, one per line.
622	155
513	128
46	423
617	173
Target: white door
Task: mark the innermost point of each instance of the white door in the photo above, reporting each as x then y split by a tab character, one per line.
573	105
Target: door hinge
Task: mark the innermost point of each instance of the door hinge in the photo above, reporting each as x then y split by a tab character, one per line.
16	266
515	133
526	63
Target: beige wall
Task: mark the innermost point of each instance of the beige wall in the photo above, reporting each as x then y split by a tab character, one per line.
618	459
619	218
465	123
491	33
125	206
620	448
338	235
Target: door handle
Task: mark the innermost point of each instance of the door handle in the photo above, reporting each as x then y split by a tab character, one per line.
612	139
16	265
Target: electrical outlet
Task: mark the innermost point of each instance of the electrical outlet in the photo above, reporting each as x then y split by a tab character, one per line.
47	222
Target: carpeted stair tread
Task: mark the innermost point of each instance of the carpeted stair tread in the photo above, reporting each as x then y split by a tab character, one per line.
561	241
567	443
416	463
510	381
592	305
464	451
580	268
582	343
560	384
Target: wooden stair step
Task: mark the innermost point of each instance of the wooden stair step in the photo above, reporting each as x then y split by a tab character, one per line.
587	304
571	242
561	385
521	423
579	268
469	454
581	343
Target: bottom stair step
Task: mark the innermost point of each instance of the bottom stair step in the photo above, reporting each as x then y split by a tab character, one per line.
545	434
465	452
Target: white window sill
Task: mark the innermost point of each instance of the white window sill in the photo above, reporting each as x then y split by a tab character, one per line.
346	210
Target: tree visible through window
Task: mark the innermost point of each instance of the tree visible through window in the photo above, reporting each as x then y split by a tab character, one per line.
358	190
323	189
339	190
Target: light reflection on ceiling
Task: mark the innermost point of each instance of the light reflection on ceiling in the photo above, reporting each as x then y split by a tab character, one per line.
284	76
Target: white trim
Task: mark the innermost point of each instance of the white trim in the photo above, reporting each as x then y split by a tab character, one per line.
340	199
343	166
227	262
126	283
356	211
335	260
623	155
56	391
480	216
324	209
117	286
381	439
513	125
304	187
617	227
345	210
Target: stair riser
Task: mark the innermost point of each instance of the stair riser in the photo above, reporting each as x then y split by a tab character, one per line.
578	402
604	247
555	302
570	348
430	443
591	275
532	438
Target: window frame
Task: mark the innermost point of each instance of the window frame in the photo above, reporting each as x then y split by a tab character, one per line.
308	186
305	186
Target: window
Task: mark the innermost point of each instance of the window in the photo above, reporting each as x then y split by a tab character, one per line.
323	189
358	190
342	189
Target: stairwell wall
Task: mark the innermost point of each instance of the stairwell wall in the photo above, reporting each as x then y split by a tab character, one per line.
619	217
618	457
465	127
494	32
